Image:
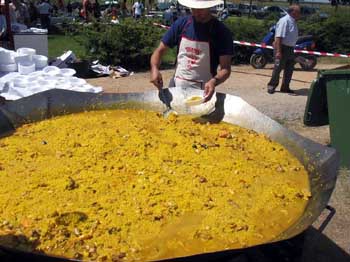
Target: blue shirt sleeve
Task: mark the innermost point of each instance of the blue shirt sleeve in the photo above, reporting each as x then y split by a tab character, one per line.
225	41
173	36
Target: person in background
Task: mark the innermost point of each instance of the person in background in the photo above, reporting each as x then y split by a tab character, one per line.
44	9
54	9
112	12
335	4
13	10
137	9
96	9
205	49
87	11
33	14
286	36
168	15
69	8
3	26
23	13
123	9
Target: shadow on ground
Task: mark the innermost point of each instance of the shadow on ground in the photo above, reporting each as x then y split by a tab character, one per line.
268	75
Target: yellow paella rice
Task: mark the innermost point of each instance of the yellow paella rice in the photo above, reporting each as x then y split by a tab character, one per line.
128	185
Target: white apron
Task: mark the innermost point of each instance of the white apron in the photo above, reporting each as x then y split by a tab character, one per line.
193	62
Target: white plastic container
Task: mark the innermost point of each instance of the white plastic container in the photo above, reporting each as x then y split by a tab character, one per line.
47	83
36	74
20	82
2	85
40	61
32	80
26	51
67	72
51	70
8	68
7	57
89	88
63	85
75	81
37	89
26	68
51	77
23	59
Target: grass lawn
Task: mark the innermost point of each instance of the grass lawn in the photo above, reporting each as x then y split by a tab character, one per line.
61	43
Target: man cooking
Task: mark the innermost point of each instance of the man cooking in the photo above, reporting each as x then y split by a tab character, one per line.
204	44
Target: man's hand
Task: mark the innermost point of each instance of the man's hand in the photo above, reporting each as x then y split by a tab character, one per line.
222	74
278	55
156	78
209	89
278	47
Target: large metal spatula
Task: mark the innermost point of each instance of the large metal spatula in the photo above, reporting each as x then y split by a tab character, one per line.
166	97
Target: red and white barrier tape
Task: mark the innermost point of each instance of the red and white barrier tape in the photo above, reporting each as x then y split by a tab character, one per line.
271	47
162	26
295	50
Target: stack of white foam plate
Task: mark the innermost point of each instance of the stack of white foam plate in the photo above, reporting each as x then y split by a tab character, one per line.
75	81
7	61
51	70
8	67
28	81
40	61
67	72
20	82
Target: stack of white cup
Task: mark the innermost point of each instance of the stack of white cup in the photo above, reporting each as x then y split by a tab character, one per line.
7	60
25	60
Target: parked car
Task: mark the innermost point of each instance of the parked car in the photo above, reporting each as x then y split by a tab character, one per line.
270	10
164	6
245	8
233	9
306	11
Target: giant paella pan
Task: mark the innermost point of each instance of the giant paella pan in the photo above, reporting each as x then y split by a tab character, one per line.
67	228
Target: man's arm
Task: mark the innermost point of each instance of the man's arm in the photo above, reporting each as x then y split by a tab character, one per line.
221	76
156	58
133	9
278	47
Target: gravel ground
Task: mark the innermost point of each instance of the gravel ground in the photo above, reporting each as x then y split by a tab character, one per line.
250	84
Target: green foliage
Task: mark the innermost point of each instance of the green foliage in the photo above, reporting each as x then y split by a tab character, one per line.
245	29
332	34
129	43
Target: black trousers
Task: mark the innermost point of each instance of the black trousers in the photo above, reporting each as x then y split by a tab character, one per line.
45	21
286	63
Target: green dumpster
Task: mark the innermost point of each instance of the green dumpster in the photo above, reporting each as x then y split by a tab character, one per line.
329	103
316	110
338	97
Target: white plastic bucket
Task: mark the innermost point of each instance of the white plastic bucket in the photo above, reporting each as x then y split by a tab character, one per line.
26	68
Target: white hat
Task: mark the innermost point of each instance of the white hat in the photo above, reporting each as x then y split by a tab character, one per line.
200	4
